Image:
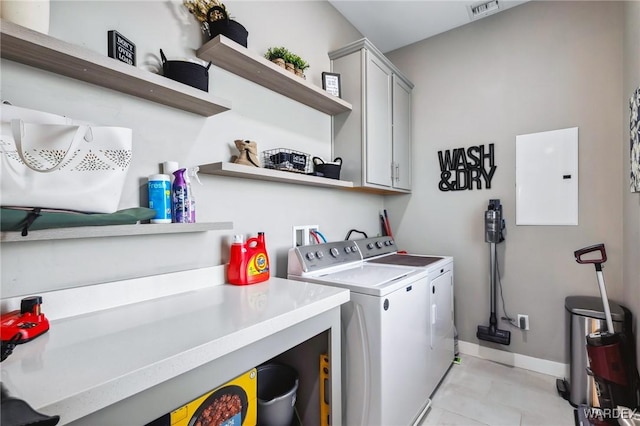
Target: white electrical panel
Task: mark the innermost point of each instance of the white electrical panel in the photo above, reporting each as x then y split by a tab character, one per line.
547	178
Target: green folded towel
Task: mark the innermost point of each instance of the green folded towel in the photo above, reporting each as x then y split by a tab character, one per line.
25	220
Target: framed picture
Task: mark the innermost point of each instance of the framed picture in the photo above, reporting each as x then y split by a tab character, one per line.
331	83
634	104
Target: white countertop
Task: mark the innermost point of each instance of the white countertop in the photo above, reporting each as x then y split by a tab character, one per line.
89	361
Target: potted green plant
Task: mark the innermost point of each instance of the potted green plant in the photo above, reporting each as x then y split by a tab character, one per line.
289	59
301	65
277	55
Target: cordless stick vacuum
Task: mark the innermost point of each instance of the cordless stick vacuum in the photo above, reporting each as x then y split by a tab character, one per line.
493	234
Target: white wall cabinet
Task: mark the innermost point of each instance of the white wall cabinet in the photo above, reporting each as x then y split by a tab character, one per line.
374	139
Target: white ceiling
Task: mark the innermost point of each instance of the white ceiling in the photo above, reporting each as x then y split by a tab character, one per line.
392	24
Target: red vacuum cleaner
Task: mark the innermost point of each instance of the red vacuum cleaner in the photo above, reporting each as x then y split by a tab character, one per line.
612	355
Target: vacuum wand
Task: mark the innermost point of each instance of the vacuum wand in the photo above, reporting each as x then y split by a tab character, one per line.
597	263
493	321
493	234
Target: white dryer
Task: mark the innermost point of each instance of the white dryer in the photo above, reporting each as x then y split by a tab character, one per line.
383	251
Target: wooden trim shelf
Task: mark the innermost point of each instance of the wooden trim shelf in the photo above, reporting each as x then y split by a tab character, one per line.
114	231
233	57
259	173
39	50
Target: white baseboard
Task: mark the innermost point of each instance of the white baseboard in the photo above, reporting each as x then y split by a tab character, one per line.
539	365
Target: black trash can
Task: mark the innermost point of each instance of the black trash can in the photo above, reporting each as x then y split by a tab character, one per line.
585	314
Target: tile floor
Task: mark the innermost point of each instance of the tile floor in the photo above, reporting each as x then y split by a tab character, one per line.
480	392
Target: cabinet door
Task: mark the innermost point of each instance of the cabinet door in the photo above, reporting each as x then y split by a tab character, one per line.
378	122
401	134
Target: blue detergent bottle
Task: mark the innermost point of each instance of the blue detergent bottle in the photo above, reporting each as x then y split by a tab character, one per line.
180	198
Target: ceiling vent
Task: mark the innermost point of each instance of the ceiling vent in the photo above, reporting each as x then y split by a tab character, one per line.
485	8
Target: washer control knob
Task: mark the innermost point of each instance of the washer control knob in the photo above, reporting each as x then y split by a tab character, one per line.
379	244
334	252
354	249
347	249
310	256
370	246
319	254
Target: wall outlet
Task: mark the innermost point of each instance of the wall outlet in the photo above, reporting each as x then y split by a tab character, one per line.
523	321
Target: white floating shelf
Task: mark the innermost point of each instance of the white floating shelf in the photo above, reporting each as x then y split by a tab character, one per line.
259	173
39	50
114	231
231	56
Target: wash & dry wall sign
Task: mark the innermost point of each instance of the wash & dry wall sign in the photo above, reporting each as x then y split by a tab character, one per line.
466	168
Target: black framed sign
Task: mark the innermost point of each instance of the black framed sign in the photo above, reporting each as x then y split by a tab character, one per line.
331	83
120	48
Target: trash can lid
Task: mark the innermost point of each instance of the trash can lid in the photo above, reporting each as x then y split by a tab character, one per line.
590	306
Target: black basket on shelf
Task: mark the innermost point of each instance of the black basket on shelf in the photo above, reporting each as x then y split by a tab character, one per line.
286	160
219	23
329	170
190	73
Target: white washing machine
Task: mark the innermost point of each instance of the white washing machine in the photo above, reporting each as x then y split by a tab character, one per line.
388	371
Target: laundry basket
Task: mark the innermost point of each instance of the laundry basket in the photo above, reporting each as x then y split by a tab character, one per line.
277	387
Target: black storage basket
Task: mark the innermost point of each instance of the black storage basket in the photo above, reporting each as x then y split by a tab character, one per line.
195	75
328	170
227	27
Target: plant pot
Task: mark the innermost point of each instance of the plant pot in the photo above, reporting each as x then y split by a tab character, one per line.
300	73
290	67
279	62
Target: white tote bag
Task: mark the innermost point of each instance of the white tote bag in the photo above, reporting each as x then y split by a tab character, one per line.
61	166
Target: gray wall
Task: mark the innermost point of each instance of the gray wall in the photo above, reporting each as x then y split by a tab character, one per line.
631	201
310	29
537	67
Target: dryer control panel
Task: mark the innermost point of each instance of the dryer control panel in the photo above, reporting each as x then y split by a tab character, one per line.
376	246
315	257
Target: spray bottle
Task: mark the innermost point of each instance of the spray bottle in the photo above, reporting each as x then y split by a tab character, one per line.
248	262
180	198
192	173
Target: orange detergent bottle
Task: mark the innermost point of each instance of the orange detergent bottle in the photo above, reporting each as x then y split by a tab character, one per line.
248	262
